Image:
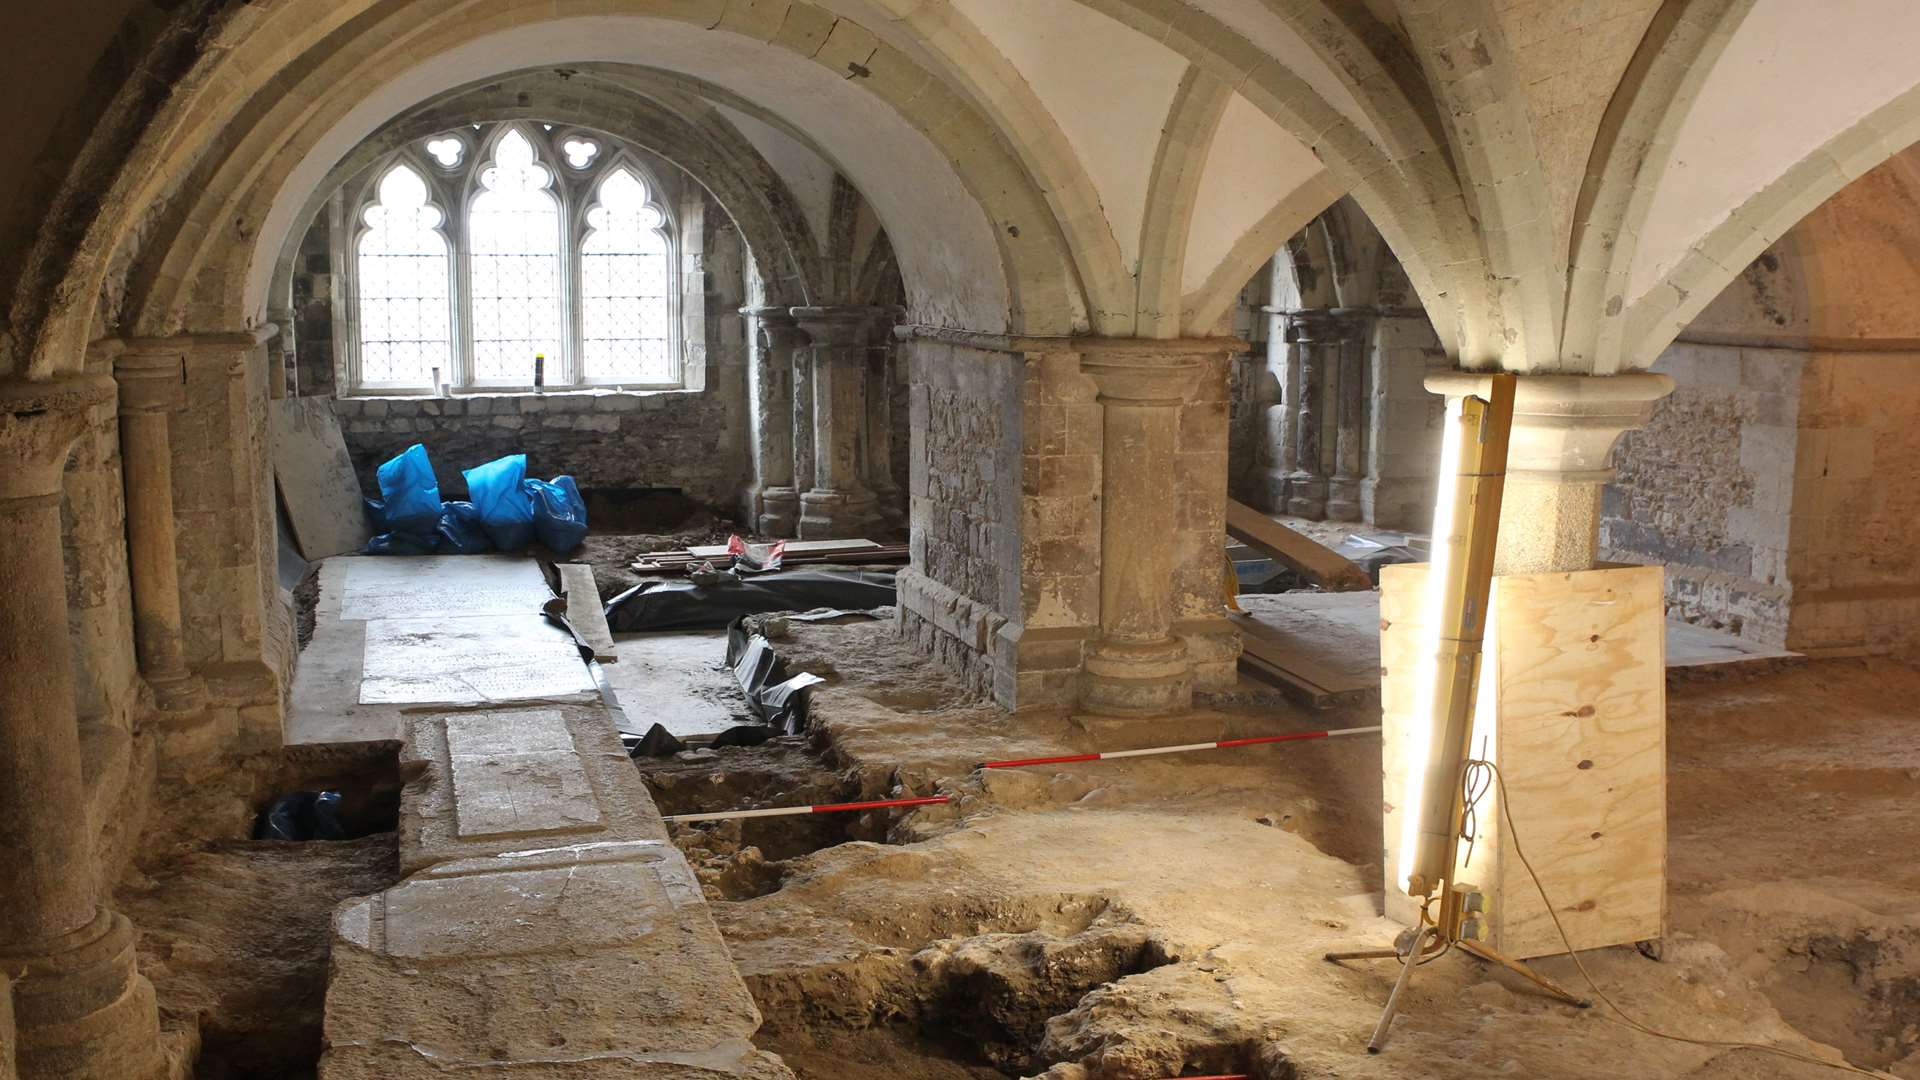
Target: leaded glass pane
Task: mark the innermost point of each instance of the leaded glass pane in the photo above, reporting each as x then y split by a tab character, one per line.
626	287
514	266
405	329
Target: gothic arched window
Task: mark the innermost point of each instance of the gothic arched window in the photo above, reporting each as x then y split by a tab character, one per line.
554	244
405	280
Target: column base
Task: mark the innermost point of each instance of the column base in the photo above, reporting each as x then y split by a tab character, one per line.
826	514
1307	496
181	693
81	1010
1123	678
779	511
1343	500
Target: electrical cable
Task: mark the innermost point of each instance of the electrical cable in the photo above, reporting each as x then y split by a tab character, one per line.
1506	810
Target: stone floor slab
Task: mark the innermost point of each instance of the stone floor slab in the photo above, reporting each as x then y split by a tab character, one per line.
377	587
517	773
473	661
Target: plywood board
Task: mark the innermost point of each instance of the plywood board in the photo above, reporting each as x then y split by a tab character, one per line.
403	587
584	613
1574	678
316	478
1322	565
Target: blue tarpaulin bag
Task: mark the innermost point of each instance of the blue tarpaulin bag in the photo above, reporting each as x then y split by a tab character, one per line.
400	543
461	530
499	492
409	495
559	513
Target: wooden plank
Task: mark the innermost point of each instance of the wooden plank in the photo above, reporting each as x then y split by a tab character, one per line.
1575	685
1293	686
1322	565
584	613
315	477
794	547
1276	647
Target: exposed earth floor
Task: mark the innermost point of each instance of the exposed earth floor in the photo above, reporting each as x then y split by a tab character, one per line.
1145	918
1164	917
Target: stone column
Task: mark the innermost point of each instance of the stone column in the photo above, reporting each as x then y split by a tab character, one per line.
775	502
1277	421
1138	667
80	1009
837	503
877	438
1564	431
152	381
1348	411
1310	333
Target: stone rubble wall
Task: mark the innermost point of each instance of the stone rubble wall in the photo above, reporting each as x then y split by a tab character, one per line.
963	478
1707	487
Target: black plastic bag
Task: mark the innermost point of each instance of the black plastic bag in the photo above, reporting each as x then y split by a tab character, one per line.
683	605
301	815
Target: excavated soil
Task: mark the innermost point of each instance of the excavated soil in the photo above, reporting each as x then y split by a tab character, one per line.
1163	917
234	933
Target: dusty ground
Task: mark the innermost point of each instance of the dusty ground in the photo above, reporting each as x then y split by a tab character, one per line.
234	932
1154	918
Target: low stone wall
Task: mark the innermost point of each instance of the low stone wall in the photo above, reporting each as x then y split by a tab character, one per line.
692	440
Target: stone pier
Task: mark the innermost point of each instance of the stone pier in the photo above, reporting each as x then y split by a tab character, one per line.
80	1009
153	386
837	501
1560	457
773	503
1138	666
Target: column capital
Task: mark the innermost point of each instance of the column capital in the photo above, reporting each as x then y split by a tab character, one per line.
1566	424
836	326
152	379
39	419
1327	326
1150	371
777	326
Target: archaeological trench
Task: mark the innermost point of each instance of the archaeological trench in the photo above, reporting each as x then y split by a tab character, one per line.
1475	445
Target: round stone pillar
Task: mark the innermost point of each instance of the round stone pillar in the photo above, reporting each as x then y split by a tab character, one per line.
1559	460
775	505
1137	666
838	502
80	1010
151	387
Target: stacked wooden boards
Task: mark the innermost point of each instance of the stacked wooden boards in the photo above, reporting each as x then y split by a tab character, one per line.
798	553
1572	709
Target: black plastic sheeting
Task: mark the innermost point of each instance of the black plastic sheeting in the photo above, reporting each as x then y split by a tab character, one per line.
776	697
683	605
779	699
